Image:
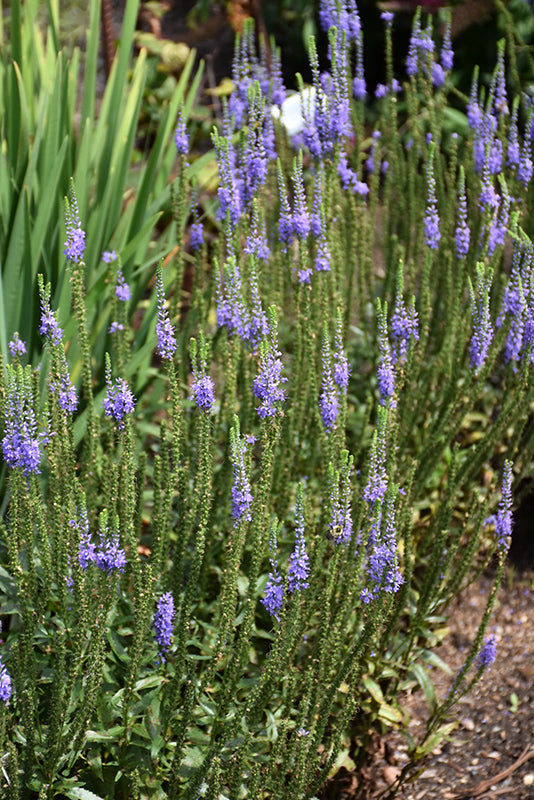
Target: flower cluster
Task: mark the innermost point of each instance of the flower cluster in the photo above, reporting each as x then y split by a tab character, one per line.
299	562
340	530
67	398
335	377
274	589
181	139
165	332
404	329
241	493
49	326
488	652
377	479
75	244
16	346
5	683
432	232
482	329
202	386
164	623
382	560
122	290
503	519
21	444
107	554
248	322
267	386
119	400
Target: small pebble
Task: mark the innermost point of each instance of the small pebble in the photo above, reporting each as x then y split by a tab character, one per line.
528	779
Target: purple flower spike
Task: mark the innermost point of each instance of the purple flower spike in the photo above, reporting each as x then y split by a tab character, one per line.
341	364
377	480
482	329
404	328
75	244
197	235
5	683
68	400
299	562
382	564
119	400
181	139
300	217
503	519
108	256
49	326
341	523
241	494
164	330
267	386
386	371
21	444
463	234
432	232
256	242
122	290
164	623
202	390
16	346
110	555
488	652
274	589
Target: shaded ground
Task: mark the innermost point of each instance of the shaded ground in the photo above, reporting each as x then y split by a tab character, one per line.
491	752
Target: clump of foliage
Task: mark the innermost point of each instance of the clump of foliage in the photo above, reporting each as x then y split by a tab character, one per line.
199	602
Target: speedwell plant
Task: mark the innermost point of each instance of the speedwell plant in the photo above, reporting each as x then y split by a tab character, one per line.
204	603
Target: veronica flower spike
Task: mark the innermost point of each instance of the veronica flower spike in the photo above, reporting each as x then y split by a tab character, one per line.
5	683
49	326
75	244
462	233
432	232
119	400
503	519
341	364
164	623
300	217
241	494
202	387
299	562
377	479
386	371
328	400
267	386
488	652
340	530
16	346
21	444
274	589
480	311
181	140
164	330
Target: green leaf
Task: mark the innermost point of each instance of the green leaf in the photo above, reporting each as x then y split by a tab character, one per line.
82	794
149	683
423	679
111	735
433	741
374	690
389	715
